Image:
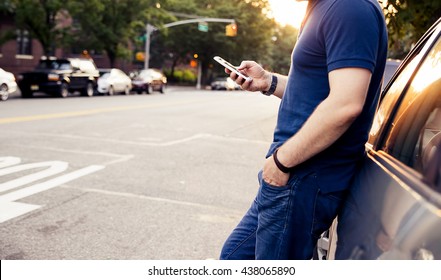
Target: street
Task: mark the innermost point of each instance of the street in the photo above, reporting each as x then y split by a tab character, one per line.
149	177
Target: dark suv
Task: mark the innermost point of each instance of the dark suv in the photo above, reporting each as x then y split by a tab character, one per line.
60	77
393	210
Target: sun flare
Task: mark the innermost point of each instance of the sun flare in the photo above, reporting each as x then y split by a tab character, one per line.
288	11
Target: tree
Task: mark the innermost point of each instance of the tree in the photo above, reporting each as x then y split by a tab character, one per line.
252	42
284	39
407	21
6	8
41	19
111	25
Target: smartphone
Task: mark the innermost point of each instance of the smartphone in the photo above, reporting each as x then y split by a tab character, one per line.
230	66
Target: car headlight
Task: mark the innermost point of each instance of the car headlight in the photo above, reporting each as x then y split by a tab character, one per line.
53	77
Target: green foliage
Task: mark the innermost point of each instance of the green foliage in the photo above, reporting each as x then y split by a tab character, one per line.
109	25
407	21
7	6
116	27
284	40
5	36
40	19
181	42
182	76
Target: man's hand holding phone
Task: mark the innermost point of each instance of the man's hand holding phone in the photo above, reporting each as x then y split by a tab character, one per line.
249	75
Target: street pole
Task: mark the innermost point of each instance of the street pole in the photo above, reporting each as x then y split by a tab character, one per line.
149	29
198	85
148	32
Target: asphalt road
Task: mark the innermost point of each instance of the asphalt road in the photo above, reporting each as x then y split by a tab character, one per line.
148	177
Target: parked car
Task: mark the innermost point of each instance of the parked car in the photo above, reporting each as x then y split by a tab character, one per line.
8	84
60	77
224	83
149	80
113	81
393	208
391	67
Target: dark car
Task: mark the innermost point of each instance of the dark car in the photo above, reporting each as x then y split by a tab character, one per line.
391	67
60	77
149	80
393	209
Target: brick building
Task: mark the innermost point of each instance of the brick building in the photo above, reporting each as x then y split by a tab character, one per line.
22	53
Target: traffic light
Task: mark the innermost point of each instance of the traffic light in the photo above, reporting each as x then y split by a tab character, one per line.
193	63
140	56
231	30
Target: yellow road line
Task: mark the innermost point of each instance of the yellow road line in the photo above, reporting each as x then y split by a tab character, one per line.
87	112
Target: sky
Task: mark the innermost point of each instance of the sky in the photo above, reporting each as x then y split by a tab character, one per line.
288	11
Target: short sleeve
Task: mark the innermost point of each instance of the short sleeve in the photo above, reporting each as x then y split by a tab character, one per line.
351	34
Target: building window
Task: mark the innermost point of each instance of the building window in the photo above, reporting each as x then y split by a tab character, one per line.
24	42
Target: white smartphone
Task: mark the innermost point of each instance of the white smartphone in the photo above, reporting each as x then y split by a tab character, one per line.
230	66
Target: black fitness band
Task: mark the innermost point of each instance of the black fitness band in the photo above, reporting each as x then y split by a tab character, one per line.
273	86
282	167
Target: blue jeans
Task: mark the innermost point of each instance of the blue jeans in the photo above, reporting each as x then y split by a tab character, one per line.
284	222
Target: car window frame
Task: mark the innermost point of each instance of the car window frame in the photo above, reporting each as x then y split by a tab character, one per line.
408	175
421	49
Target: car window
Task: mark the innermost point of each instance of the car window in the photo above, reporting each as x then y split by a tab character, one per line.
87	66
389	70
391	97
75	63
157	75
53	65
416	127
146	73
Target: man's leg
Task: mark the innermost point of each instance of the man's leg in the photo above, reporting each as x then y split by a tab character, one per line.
284	222
291	218
241	244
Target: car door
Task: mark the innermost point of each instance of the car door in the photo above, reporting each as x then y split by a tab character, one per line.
76	78
119	80
394	207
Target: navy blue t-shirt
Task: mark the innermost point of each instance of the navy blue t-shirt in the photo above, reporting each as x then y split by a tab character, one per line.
337	34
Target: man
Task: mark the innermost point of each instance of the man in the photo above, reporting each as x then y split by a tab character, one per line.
328	102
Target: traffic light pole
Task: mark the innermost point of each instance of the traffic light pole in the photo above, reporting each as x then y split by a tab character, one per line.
149	29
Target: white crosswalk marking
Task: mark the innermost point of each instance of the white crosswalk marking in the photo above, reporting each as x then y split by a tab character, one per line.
9	208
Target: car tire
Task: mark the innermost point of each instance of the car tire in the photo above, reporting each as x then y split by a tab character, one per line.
64	90
26	94
163	89
126	91
149	89
4	93
89	90
111	91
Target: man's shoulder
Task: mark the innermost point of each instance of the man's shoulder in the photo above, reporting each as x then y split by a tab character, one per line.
350	5
350	12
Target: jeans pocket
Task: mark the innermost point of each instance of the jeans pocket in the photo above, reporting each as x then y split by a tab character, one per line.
273	204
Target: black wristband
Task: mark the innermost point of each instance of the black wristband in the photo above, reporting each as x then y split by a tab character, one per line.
281	167
273	86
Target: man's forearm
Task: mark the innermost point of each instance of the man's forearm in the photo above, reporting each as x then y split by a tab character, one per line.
321	130
281	85
330	119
